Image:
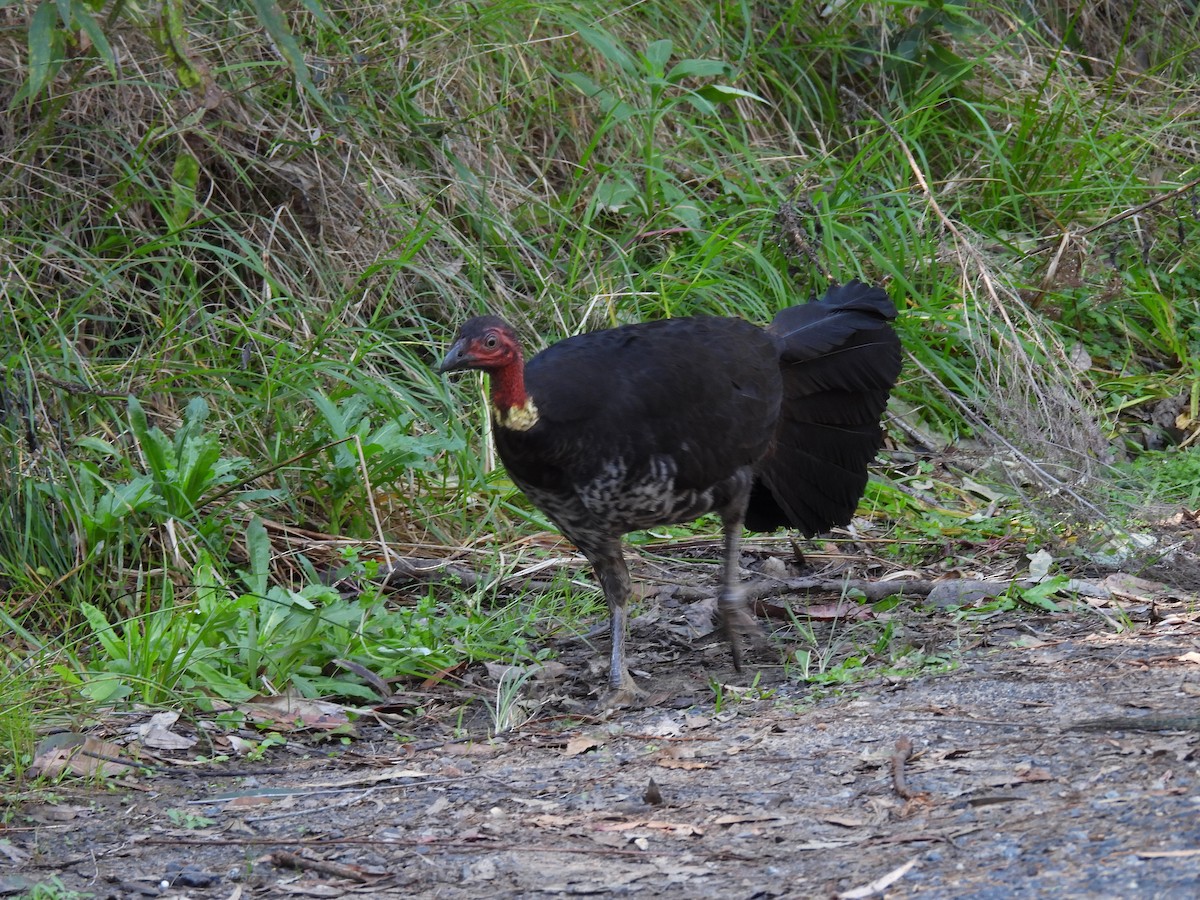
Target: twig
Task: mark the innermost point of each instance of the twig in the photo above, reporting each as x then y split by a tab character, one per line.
482	846
904	752
362	460
979	422
74	387
1049	242
880	885
401	569
762	589
274	467
1139	723
286	860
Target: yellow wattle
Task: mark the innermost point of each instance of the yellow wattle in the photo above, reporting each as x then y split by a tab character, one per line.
516	418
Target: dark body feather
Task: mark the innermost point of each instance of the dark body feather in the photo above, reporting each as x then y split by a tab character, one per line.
657	423
644	425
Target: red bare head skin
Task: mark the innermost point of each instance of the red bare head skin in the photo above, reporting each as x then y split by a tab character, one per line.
488	343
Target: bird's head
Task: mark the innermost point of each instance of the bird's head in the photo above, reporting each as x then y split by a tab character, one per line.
485	342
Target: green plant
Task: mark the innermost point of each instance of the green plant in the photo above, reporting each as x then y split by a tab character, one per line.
1037	597
855	650
1021	177
506	709
653	87
362	454
55	26
259	750
183	818
724	694
53	889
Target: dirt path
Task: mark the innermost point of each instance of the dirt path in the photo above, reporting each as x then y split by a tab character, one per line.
1058	759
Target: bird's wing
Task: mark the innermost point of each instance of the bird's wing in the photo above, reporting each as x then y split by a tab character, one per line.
702	392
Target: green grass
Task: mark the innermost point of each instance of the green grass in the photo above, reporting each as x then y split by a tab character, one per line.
224	285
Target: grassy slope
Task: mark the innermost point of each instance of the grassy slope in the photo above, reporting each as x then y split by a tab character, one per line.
298	268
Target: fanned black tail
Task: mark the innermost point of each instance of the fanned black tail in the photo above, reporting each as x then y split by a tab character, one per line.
839	358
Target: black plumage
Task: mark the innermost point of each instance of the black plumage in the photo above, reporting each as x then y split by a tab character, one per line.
657	423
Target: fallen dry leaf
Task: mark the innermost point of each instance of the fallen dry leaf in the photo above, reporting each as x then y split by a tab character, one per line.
652	794
78	754
471	748
291	712
677	829
747	818
582	743
671	762
158	735
1032	774
546	820
879	885
841	610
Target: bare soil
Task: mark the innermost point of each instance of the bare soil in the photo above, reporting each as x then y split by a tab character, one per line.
1057	757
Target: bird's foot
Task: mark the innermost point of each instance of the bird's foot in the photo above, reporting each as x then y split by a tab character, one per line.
625	694
738	622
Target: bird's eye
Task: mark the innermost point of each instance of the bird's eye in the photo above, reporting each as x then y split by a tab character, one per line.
490	342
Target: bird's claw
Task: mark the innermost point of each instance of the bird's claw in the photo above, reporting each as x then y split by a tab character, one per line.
737	623
624	694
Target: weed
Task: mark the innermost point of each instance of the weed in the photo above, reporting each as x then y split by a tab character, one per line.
271	296
854	651
506	709
183	818
53	889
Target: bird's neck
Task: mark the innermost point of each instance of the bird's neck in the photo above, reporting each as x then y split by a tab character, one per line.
513	408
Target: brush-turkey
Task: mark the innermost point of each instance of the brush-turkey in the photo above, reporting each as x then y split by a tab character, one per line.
657	423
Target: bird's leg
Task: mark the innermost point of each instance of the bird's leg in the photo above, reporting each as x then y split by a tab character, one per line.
610	567
736	620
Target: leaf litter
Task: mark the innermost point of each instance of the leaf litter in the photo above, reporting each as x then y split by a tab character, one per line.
1057	755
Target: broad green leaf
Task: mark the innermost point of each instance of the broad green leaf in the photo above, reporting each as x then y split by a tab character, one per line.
184	178
43	42
723	93
604	44
219	683
195	415
120	502
98	445
258	548
582	83
688	214
113	646
614	194
105	689
697	68
171	34
701	105
657	54
614	108
152	442
335	420
272	19
319	13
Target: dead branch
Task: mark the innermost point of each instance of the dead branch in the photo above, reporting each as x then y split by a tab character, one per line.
408	569
757	591
904	752
1049	242
285	860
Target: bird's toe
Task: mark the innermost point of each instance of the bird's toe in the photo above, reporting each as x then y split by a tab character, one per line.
627	694
738	623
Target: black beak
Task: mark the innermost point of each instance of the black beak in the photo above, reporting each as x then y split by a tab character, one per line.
456	358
